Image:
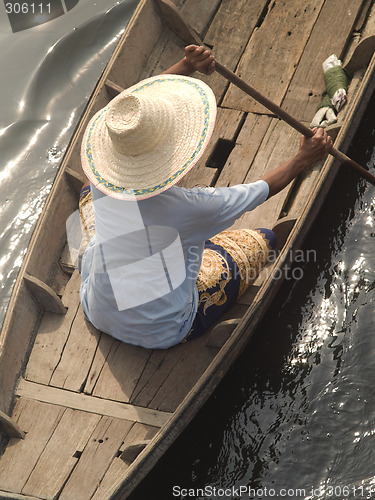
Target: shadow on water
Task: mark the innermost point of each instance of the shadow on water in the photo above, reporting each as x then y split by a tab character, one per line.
297	411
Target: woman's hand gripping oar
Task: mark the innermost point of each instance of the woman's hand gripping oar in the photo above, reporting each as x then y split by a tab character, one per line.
175	22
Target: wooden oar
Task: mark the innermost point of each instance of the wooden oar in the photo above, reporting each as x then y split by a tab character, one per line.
175	22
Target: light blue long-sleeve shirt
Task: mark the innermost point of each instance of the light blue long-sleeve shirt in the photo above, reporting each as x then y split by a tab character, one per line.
139	272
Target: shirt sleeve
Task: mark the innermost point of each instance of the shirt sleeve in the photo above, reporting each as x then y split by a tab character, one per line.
218	208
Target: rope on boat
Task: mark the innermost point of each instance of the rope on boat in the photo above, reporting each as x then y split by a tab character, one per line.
336	81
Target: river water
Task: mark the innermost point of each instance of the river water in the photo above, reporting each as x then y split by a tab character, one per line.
295	417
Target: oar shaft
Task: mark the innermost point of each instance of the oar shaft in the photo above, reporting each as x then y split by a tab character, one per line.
283	115
172	17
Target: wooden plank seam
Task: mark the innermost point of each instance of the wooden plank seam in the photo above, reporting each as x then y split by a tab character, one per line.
92	404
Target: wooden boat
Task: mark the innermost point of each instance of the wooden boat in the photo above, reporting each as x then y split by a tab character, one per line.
84	416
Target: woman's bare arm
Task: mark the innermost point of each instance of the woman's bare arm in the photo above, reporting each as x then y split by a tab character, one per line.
311	150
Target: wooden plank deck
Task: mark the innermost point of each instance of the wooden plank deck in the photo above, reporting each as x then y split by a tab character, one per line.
336	20
274	51
85	399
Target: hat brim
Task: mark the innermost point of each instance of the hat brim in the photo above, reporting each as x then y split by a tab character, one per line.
154	170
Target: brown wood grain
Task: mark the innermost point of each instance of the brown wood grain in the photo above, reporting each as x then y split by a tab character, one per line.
52	335
58	458
38	420
273	52
227	126
334	25
76	358
229	33
96	458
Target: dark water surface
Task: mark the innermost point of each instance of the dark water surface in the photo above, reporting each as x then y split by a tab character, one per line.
295	417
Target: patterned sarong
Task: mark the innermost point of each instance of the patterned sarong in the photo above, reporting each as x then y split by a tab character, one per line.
231	262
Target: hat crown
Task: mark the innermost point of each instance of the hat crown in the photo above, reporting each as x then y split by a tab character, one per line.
136	124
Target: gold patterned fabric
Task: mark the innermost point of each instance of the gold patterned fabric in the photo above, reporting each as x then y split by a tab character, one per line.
214	273
231	262
248	248
87	216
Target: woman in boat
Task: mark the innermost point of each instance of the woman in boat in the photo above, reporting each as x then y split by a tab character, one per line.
161	266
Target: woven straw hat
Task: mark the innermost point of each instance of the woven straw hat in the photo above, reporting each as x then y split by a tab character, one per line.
149	136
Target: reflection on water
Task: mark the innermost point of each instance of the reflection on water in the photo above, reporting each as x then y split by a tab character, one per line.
33	145
297	412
